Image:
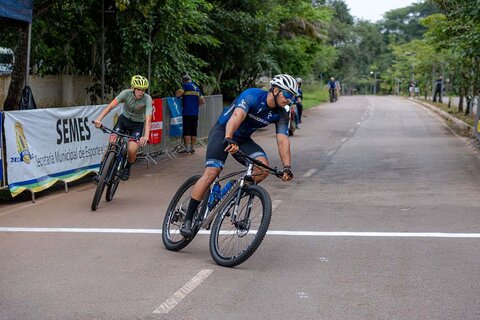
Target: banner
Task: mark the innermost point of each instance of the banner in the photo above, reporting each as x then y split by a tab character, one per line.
47	145
157	122
176	119
1	151
16	9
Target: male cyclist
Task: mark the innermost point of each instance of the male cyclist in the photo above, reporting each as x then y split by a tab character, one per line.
332	86
136	113
253	109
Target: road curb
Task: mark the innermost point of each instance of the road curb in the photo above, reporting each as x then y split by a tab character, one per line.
458	125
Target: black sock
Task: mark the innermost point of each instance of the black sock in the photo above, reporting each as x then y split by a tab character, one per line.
192	207
128	165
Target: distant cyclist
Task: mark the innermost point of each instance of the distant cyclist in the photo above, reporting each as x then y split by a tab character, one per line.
332	86
136	114
338	89
253	109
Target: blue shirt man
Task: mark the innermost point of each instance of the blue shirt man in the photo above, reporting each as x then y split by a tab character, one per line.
192	98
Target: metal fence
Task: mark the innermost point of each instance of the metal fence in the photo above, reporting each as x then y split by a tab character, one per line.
169	146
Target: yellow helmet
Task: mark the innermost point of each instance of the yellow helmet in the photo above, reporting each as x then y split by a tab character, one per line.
139	82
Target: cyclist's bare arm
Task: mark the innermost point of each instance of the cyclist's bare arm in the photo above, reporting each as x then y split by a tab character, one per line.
148	124
284	151
111	105
232	125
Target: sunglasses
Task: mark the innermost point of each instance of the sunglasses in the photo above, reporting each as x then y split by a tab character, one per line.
287	95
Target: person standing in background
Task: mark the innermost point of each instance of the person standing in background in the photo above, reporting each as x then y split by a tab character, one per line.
192	98
411	89
299	100
438	89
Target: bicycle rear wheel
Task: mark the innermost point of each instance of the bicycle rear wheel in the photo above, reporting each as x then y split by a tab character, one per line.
233	242
175	215
101	181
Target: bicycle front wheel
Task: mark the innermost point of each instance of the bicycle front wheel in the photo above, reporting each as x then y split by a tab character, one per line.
291	127
235	238
112	187
175	216
101	181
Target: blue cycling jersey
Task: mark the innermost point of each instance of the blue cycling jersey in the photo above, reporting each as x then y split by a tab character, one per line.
254	102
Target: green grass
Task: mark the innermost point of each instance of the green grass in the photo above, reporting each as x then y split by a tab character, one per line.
314	94
453	111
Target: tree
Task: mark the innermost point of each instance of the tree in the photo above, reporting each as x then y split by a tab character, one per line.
19	70
457	30
403	25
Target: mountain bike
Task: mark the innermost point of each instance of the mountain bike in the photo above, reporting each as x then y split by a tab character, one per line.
333	96
111	167
292	125
238	214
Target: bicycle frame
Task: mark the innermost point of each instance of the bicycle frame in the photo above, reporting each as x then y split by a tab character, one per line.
112	164
236	191
119	147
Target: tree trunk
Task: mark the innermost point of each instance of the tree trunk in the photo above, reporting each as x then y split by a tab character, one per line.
460	103
19	70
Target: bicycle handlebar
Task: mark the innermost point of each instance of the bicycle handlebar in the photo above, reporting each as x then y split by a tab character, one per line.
275	171
108	130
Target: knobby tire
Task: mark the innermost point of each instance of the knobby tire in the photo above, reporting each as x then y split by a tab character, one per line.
231	245
175	215
101	180
112	187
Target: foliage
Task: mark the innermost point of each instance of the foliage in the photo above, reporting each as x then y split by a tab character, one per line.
227	45
457	31
403	25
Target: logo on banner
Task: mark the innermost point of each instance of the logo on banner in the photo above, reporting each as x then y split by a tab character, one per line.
22	145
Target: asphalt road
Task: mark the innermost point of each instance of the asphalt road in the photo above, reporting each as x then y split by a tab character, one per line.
380	222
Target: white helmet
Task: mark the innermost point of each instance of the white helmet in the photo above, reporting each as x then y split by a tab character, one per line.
285	82
299	80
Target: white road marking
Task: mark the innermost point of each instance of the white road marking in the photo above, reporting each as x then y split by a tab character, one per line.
271	232
376	234
309	173
80	230
275	204
178	296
